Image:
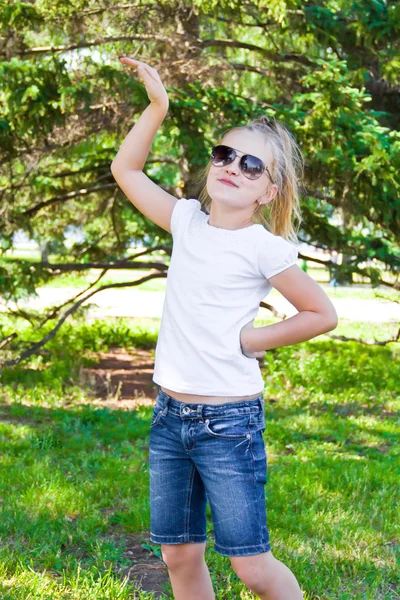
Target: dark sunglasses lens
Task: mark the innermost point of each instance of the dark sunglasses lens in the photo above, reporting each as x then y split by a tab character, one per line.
252	166
222	155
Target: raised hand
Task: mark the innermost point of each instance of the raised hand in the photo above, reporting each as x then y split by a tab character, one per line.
154	86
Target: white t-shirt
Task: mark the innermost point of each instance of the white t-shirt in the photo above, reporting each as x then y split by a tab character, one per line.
216	281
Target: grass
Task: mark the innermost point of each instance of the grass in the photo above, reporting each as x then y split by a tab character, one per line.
74	476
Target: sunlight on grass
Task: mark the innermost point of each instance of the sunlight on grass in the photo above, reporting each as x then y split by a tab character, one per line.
74	475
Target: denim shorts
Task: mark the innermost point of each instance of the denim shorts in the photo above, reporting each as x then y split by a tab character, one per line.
201	453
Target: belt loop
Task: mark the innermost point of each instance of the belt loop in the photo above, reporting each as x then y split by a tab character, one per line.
200	411
166	405
165	399
261	403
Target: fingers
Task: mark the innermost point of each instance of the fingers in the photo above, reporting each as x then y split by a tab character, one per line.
140	65
130	61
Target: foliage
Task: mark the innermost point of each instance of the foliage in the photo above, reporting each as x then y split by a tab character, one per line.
329	71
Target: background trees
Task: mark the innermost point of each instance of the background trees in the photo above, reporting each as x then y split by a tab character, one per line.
329	71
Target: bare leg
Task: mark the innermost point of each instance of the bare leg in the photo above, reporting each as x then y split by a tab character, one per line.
281	584
267	577
191	582
188	571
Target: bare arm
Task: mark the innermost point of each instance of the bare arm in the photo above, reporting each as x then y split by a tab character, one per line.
149	198
135	148
316	314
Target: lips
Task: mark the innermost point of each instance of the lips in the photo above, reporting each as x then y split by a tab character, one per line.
228	182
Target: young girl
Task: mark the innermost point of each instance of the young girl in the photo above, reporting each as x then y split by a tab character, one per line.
206	433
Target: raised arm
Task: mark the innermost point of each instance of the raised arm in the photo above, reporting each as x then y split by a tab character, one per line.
127	167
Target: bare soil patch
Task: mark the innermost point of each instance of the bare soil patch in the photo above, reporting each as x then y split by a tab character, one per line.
122	378
146	570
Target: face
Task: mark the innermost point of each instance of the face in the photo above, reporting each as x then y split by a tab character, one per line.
249	192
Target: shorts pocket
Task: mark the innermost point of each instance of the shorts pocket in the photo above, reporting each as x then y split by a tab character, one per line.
232	428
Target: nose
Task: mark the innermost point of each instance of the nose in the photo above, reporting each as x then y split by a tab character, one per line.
233	167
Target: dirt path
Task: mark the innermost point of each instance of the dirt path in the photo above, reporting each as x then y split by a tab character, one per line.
122	379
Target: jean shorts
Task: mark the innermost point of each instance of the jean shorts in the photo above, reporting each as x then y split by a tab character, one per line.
201	453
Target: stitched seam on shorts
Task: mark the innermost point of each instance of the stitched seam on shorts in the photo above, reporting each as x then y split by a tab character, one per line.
200	535
257	546
255	491
187	515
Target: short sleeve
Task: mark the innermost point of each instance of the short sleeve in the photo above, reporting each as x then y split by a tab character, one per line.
182	214
275	254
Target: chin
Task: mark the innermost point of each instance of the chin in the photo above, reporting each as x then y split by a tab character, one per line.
219	190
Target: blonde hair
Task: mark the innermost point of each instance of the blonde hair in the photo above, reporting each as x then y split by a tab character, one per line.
287	170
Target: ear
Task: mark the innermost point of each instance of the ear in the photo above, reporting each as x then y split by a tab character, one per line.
269	194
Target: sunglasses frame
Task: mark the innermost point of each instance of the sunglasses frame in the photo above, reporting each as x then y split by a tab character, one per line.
241	155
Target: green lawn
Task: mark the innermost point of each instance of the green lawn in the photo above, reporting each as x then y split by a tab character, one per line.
73	475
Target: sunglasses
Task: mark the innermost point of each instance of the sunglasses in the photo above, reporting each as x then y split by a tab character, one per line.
251	166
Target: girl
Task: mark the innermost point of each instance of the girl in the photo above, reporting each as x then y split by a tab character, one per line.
206	433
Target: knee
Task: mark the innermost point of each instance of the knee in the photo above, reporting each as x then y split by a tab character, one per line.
254	571
253	580
177	556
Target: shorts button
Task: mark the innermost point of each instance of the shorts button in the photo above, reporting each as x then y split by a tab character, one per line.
186	410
